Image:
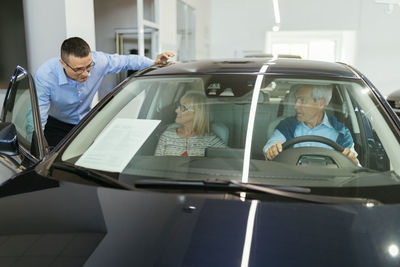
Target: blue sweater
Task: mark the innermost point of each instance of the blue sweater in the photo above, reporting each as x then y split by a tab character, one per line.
288	126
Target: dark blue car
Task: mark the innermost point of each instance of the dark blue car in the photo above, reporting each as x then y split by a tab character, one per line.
170	170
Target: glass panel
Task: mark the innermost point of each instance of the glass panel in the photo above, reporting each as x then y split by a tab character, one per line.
202	117
298	49
352	117
322	50
128	45
186	23
149	10
195	127
18	110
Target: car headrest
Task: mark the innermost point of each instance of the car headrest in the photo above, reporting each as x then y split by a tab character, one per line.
218	128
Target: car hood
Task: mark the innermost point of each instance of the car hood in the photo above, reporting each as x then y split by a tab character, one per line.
78	225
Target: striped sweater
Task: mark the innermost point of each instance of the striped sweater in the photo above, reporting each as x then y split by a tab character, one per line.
173	145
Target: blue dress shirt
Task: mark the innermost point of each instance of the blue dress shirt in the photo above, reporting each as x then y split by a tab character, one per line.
68	100
324	129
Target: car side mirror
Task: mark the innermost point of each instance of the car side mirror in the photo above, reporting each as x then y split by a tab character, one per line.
8	139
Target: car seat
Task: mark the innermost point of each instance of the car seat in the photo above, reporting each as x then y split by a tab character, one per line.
335	108
218	128
285	110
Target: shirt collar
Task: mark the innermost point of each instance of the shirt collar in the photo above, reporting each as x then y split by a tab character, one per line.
325	121
62	77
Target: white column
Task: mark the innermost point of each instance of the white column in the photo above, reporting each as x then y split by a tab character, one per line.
79	17
140	27
48	23
44	30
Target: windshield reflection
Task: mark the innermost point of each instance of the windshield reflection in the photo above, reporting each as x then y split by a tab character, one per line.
208	126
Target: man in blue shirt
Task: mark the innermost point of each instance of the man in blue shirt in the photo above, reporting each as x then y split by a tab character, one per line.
311	119
66	86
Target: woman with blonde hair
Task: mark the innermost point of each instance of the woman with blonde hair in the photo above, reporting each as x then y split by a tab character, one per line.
193	135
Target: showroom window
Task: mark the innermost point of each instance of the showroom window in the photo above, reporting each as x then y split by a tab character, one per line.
326	46
186	24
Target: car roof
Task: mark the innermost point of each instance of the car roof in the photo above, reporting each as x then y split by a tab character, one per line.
292	67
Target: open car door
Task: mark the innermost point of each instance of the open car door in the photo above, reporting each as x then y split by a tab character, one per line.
20	124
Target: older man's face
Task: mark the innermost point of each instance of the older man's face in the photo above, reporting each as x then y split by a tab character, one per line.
308	110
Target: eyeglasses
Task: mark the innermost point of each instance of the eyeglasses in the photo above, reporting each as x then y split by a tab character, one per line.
81	69
303	100
184	108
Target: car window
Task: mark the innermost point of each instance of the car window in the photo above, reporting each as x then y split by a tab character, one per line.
18	110
349	106
139	132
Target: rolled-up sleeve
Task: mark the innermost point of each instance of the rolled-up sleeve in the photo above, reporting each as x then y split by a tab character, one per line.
276	137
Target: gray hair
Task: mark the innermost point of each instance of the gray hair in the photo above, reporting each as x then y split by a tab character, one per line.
322	91
318	91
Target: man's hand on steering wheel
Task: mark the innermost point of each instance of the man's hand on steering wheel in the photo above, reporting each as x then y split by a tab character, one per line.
273	151
347	152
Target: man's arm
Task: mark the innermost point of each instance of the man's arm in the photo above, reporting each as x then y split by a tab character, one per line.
44	106
348	145
43	90
350	151
116	63
352	155
163	58
274	145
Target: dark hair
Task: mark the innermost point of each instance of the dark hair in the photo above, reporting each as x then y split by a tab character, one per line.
74	46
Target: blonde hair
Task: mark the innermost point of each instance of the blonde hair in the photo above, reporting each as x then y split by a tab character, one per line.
197	102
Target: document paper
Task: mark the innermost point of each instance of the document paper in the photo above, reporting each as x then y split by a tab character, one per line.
117	144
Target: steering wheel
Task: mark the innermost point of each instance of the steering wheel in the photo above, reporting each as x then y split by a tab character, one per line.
297	155
312	138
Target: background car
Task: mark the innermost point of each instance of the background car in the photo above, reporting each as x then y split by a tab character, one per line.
104	197
394	101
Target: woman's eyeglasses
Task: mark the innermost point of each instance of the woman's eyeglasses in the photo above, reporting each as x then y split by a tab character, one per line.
184	108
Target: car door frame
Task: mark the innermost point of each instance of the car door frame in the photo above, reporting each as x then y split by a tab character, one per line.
39	142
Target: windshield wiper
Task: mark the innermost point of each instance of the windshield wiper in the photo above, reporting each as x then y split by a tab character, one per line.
91	175
301	193
237	184
310	197
212	183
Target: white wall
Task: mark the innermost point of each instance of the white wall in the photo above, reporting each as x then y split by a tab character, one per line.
203	20
79	17
224	28
236	27
96	21
168	34
110	15
49	22
119	14
378	50
45	29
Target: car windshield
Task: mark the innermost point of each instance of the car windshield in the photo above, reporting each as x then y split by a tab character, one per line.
198	127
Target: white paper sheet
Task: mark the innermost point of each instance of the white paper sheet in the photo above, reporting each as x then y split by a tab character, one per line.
115	146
